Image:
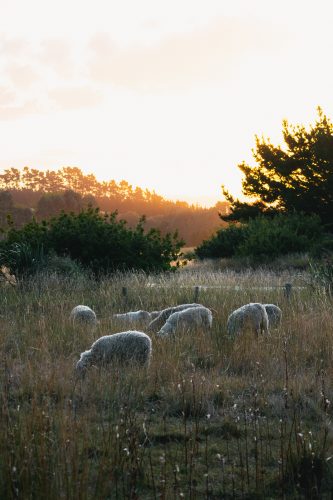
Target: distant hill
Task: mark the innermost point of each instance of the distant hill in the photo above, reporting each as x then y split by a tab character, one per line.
30	192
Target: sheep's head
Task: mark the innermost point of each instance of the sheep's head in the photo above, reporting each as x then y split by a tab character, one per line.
166	330
83	363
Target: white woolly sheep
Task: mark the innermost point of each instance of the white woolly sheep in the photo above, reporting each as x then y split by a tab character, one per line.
83	314
194	317
274	314
123	347
133	317
251	316
159	321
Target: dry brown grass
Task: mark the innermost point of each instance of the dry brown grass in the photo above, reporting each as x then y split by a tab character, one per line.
211	418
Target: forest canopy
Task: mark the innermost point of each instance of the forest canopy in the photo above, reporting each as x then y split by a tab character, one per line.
45	194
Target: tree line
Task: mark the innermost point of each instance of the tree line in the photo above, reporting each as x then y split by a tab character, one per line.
45	194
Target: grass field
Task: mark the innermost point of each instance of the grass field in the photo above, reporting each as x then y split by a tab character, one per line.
211	418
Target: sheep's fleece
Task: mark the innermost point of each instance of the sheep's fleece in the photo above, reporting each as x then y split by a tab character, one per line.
133	317
159	321
123	347
83	314
194	317
251	316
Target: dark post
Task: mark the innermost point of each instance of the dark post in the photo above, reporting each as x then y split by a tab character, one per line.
287	290
124	293
196	293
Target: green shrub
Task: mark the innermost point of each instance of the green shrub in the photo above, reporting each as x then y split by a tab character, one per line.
23	257
268	237
223	244
98	242
280	235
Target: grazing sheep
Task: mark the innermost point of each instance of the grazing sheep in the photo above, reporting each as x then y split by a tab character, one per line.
274	314
83	314
132	317
154	314
251	316
124	347
159	321
194	317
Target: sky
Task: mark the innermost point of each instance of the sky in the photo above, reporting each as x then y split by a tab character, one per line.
167	95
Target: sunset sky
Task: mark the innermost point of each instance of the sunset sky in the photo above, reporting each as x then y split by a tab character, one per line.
165	94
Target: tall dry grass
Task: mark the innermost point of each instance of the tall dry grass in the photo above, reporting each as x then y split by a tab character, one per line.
213	417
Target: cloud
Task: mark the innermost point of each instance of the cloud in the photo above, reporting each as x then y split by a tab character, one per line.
75	97
52	53
210	54
57	54
19	110
21	75
13	47
28	71
6	97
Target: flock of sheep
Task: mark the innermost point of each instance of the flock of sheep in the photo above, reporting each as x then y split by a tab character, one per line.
135	346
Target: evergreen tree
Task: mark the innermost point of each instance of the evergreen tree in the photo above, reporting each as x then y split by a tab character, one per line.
298	177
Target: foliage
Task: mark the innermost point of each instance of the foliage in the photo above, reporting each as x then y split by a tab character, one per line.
223	244
99	242
268	237
6	200
296	178
10	214
281	235
69	189
23	257
52	204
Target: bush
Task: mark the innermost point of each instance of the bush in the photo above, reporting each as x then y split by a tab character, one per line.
280	235
223	244
98	242
23	257
268	237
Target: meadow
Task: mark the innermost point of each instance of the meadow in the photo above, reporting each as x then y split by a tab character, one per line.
212	417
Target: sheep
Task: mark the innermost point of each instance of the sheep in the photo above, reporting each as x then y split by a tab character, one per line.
158	322
123	347
133	317
274	314
194	317
154	314
251	316
84	315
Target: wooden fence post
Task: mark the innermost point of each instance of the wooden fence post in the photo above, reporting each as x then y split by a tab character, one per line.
124	293
288	290
196	293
